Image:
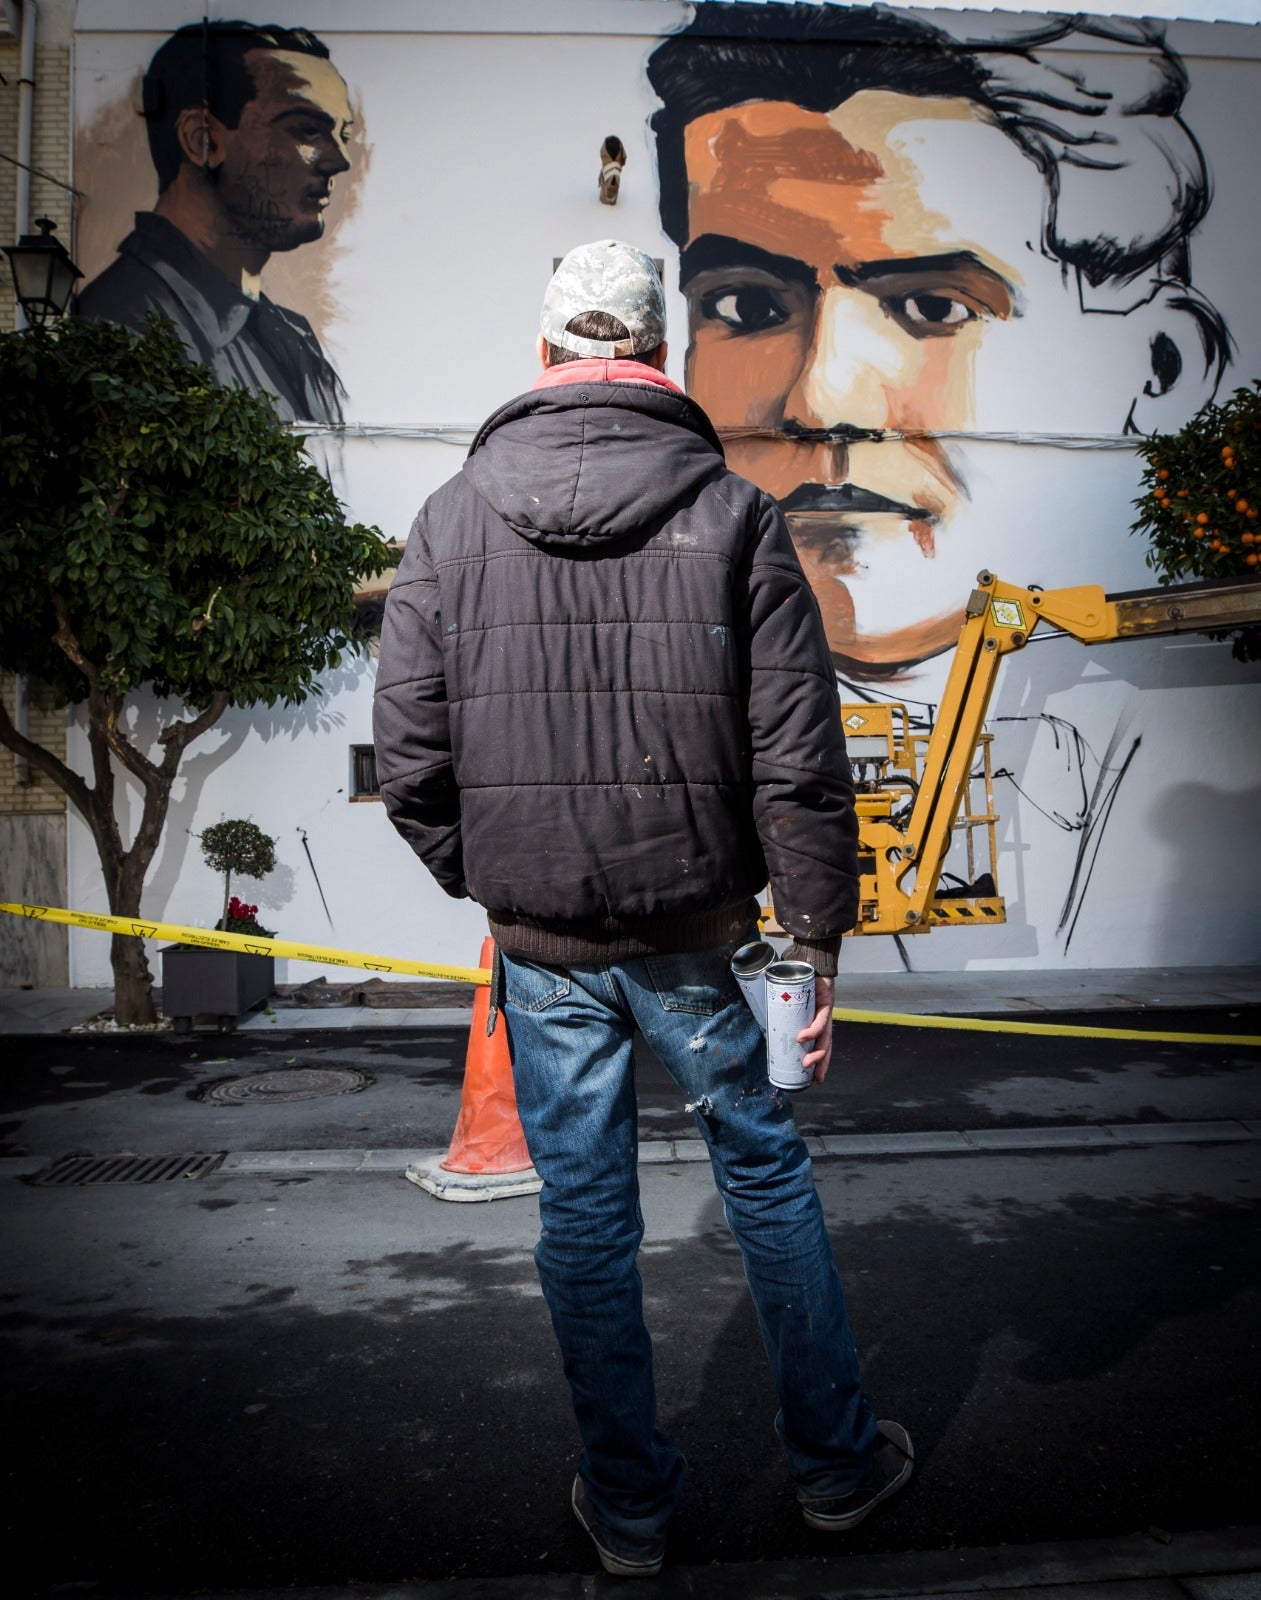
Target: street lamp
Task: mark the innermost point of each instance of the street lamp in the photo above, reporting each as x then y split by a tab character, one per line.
43	273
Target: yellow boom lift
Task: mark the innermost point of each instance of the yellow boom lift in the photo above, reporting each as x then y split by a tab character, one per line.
917	791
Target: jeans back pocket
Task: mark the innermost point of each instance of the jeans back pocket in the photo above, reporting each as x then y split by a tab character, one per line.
533	988
697	981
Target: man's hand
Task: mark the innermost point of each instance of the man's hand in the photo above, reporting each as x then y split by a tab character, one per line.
819	1033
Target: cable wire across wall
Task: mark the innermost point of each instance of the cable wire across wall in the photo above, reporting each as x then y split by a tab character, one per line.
463	434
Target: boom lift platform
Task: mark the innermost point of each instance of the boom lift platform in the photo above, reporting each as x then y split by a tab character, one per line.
915	792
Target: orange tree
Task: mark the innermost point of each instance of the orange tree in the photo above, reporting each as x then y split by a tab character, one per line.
1201	503
159	536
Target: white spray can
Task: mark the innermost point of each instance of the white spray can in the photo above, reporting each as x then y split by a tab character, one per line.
789	1009
748	967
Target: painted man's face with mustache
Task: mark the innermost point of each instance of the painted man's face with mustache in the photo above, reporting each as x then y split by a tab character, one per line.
873	269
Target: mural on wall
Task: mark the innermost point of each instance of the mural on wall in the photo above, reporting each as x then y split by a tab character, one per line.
860	311
248	129
934	267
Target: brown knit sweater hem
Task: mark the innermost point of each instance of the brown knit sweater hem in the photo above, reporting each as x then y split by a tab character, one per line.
601	941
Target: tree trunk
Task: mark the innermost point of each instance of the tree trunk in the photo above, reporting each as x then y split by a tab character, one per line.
124	882
124	870
124	878
133	982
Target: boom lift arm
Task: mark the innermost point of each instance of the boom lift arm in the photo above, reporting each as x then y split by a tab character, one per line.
901	857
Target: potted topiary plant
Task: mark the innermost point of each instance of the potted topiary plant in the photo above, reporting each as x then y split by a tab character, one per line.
224	984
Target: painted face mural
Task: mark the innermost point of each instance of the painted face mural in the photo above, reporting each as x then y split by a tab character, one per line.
248	128
877	280
280	161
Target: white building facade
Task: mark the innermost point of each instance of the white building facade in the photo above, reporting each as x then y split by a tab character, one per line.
968	265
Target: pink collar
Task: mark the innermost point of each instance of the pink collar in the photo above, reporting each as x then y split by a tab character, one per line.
597	370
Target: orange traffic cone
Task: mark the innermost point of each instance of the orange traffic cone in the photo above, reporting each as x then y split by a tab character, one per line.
487	1158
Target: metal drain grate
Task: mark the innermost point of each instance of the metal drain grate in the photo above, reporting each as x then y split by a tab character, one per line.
285	1084
80	1170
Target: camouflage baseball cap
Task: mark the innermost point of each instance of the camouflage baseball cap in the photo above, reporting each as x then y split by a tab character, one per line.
606	276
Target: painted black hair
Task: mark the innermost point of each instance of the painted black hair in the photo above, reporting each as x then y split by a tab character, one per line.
204	64
1079	128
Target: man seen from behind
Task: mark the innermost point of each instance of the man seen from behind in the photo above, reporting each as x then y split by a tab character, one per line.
605	710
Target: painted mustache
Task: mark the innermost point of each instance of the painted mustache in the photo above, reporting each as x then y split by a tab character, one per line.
813	503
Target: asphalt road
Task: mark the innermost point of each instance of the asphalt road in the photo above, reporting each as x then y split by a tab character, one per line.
245	1381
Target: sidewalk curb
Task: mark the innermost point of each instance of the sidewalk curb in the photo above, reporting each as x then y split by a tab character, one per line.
1034	993
673	1152
1073	1565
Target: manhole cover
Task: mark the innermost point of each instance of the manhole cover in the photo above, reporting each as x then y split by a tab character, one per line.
287	1083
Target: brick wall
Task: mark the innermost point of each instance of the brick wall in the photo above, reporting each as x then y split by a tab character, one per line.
46	725
50	153
32	814
50	149
8	174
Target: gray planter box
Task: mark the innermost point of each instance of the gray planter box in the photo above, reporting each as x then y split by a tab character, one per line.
223	984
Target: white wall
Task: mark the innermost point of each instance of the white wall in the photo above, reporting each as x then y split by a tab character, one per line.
478	157
289	773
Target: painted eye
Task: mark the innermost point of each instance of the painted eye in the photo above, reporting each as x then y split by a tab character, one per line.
747	310
934	311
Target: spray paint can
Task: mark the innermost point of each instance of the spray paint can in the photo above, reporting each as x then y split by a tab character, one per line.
789	1009
748	967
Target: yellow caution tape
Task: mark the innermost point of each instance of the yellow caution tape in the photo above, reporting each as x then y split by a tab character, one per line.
212	939
1059	1030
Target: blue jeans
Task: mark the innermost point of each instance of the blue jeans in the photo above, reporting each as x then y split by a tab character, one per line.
570	1031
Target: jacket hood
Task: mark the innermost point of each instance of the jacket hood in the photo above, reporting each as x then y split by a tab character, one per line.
577	464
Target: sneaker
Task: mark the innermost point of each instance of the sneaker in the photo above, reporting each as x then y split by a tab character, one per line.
890	1468
623	1554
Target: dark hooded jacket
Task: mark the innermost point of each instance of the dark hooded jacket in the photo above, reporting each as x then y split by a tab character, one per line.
605	707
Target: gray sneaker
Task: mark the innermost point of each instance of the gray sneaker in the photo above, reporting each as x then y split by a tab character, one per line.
889	1470
622	1554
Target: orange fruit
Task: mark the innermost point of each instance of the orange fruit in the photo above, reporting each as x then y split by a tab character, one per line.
1202	519
1163	474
